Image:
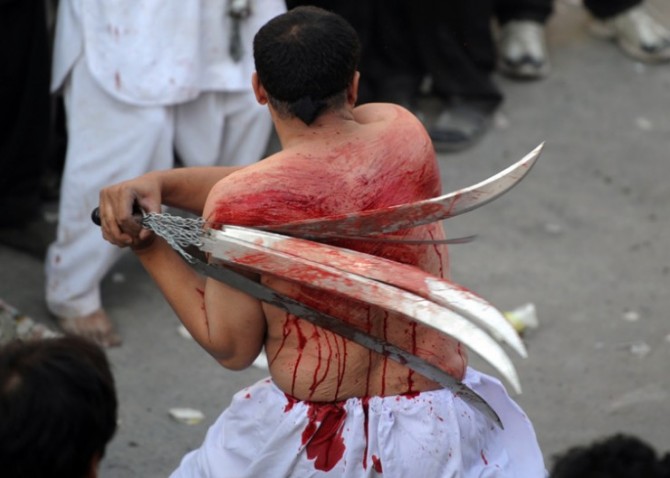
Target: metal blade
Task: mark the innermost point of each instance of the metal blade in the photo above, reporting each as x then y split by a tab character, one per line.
259	258
338	326
406	277
405	216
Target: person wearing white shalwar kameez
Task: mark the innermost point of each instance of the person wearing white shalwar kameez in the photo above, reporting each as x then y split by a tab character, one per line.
143	81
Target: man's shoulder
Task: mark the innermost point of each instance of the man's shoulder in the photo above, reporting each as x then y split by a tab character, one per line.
384	113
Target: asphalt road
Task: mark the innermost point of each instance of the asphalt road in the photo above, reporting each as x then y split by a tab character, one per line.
585	238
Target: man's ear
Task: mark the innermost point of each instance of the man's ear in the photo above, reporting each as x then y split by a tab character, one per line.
352	91
259	91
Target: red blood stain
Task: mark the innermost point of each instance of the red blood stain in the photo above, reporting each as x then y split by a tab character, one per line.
397	170
385	329
247	396
302	341
368	329
323	434
340	372
377	464
410	374
204	310
290	402
486	462
286	330
117	80
316	381
365	403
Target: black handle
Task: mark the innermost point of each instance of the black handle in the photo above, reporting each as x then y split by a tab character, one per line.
95	214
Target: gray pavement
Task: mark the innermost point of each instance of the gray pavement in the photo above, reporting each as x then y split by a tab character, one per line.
585	237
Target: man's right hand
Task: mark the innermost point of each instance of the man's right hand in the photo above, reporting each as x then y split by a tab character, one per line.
118	210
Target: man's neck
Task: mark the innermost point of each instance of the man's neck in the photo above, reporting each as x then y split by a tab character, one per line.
293	132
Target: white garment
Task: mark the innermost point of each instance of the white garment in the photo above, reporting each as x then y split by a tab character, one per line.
118	135
157	52
433	434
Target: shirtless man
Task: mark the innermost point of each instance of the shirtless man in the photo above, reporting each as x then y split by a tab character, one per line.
331	408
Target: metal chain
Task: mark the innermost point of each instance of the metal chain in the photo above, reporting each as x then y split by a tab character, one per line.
179	232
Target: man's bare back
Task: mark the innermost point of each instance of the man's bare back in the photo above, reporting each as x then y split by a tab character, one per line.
380	157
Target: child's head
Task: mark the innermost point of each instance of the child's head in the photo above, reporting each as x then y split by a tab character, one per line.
58	407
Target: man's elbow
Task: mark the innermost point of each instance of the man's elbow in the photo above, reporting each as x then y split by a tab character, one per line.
236	363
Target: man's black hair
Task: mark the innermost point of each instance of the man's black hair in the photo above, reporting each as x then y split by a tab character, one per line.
618	456
305	59
58	407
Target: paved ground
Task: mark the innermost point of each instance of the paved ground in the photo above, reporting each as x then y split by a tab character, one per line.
585	238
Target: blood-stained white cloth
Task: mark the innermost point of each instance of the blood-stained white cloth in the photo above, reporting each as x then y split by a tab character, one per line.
143	79
264	432
157	52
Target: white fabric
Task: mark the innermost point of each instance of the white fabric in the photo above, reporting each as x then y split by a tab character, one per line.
113	141
433	434
141	78
157	52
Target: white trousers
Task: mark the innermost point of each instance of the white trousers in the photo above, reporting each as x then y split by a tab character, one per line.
110	141
432	434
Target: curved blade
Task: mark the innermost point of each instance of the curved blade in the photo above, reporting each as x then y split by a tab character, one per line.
340	327
392	299
406	277
405	216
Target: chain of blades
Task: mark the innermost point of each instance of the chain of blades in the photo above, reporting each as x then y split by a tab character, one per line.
179	232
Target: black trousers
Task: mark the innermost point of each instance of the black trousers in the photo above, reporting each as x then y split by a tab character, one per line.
24	107
405	40
540	10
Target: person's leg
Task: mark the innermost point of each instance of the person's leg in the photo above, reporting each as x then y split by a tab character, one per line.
394	66
227	128
454	41
610	8
535	10
108	142
24	121
632	26
522	44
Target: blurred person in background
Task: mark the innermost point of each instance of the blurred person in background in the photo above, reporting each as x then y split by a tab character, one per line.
629	23
143	81
449	43
24	123
616	456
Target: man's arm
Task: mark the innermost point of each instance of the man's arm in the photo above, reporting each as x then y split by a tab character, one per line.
227	323
183	188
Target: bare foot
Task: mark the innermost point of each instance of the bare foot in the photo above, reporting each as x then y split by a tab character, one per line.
95	326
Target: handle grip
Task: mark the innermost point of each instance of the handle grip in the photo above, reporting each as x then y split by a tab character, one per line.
95	214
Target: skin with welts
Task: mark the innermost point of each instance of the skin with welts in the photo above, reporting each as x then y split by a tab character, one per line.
382	157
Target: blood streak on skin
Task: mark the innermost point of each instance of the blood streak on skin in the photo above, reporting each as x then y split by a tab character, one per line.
368	329
340	377
204	310
316	381
303	188
410	375
302	341
385	326
286	330
365	403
